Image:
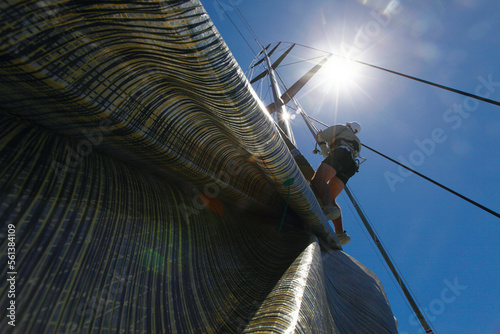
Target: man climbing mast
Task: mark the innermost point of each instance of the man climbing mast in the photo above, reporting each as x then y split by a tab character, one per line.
334	172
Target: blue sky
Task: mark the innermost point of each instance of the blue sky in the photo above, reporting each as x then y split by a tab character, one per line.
446	249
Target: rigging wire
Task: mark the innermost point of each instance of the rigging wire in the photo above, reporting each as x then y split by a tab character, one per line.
474	96
421	317
372	245
301	61
236	27
461	92
314	119
303	114
496	214
247	25
395	271
482	207
379	240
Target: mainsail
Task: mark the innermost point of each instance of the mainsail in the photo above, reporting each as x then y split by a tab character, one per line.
145	182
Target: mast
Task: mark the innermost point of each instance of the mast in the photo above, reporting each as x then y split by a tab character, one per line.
281	112
279	107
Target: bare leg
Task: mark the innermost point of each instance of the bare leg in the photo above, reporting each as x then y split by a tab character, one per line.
336	186
319	183
339	226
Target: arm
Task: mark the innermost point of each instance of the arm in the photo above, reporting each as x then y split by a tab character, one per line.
330	133
321	139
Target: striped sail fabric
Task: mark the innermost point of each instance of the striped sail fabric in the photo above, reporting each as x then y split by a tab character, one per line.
144	184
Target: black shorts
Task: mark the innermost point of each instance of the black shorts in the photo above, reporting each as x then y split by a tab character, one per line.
341	160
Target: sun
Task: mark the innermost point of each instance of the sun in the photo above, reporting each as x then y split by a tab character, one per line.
340	73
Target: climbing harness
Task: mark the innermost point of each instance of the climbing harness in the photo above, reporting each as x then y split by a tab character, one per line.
358	160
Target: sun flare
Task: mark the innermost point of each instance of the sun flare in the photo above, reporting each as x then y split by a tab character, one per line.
340	72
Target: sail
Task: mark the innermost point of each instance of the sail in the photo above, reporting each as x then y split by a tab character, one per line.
144	184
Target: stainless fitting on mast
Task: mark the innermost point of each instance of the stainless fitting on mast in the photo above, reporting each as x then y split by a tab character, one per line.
281	112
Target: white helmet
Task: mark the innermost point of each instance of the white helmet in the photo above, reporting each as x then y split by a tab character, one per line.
354	126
